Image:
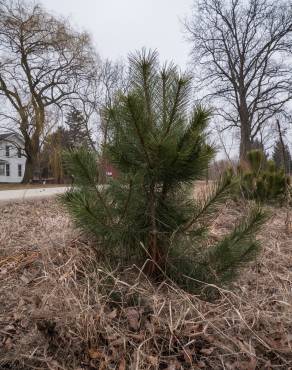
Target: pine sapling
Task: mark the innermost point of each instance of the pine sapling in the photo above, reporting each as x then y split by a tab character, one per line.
159	145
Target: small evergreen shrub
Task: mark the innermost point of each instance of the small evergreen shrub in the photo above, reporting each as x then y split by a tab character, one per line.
261	180
158	144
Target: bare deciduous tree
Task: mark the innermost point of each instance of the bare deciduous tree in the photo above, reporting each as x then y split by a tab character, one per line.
88	103
43	63
114	79
242	49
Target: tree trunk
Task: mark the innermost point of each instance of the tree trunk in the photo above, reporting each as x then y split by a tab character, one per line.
32	151
245	142
29	171
157	258
245	131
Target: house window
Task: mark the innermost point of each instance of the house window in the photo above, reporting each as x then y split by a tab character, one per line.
7	169
2	169
19	170
19	152
7	150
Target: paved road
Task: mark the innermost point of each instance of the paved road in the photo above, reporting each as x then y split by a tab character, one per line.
26	194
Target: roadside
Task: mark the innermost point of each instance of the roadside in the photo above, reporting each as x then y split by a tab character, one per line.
20	192
7	186
30	193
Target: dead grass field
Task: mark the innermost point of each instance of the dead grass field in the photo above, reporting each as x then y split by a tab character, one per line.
59	310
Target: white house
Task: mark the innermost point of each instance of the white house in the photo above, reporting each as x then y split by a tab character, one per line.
12	159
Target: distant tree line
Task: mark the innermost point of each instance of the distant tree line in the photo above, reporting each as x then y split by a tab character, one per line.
55	89
241	53
70	136
48	69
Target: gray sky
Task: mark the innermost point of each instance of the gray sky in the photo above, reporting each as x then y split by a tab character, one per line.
121	26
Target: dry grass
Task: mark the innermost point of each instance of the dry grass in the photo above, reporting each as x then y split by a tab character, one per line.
59	311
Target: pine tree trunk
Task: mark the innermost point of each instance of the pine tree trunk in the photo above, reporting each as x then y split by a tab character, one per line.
155	253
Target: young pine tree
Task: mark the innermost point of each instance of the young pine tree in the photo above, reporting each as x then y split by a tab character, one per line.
158	144
261	180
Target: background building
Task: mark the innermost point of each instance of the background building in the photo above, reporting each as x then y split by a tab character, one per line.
12	159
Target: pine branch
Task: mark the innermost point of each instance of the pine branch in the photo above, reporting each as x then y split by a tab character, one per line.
237	248
127	201
138	131
83	164
216	197
181	94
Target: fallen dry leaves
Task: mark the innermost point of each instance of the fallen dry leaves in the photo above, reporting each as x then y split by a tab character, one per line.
59	310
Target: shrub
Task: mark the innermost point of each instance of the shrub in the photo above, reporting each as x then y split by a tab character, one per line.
159	147
261	180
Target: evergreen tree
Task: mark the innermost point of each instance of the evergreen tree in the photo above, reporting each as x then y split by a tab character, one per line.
76	131
158	143
282	160
261	180
73	135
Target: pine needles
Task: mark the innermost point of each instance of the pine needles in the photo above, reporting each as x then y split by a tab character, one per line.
159	146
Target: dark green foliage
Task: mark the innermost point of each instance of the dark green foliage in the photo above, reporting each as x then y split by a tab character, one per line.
159	146
76	133
282	159
220	262
261	180
235	249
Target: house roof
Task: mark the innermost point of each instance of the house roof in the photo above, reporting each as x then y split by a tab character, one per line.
6	135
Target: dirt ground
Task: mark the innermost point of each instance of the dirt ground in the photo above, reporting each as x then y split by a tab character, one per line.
59	310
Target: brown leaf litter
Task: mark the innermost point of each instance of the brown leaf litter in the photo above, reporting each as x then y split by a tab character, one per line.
60	310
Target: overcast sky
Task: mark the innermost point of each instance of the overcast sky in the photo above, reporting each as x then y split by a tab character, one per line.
121	26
